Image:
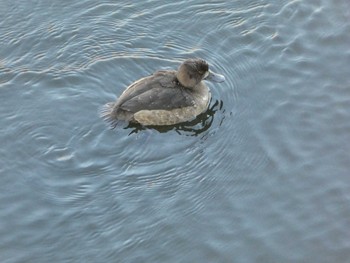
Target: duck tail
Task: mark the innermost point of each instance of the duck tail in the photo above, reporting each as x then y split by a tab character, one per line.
109	114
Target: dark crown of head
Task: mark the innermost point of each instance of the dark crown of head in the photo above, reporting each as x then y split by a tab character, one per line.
199	64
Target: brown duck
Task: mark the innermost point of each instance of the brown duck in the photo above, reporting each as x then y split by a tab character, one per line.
166	97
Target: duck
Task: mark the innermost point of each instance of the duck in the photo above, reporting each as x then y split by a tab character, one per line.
167	97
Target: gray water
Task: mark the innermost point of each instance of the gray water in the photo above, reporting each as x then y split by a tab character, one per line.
263	176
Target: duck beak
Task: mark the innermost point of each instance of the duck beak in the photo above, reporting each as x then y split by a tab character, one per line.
214	77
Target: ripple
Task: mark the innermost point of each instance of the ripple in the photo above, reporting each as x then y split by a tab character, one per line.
269	153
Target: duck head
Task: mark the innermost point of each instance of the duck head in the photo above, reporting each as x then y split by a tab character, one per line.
192	71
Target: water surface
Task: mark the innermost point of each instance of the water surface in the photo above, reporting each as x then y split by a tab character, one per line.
263	176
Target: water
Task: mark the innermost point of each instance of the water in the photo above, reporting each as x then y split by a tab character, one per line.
261	177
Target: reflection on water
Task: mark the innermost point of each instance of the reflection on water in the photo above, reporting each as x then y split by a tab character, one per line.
262	176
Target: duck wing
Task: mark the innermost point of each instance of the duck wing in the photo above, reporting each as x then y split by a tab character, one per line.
159	91
158	79
159	98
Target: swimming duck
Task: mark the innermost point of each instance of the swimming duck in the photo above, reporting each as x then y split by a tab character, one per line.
166	97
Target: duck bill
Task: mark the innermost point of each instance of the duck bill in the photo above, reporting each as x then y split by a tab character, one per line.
214	77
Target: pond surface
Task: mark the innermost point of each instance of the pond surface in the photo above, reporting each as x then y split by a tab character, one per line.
263	176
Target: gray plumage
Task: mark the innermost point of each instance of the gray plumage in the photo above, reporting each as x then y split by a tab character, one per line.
164	98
